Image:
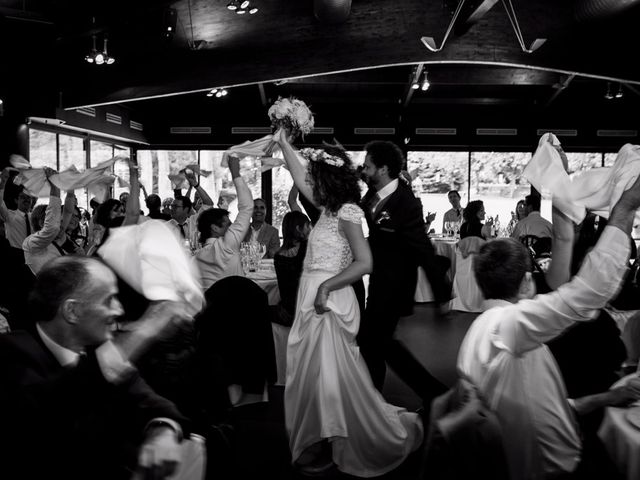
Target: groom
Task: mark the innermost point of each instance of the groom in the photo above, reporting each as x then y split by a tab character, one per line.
399	245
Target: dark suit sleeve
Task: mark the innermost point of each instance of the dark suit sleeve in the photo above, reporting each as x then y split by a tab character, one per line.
415	238
274	242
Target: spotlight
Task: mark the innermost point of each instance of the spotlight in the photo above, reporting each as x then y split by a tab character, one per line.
425	83
253	10
608	95
619	93
232	5
241	11
99	58
245	4
415	85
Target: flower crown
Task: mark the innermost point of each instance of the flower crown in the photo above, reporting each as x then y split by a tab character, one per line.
319	155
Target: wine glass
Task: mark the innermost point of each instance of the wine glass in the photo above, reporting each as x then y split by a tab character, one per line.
447	228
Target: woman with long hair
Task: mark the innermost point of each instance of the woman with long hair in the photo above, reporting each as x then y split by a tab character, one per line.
288	262
473	216
333	413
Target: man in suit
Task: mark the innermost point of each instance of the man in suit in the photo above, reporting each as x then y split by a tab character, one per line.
399	245
74	405
261	231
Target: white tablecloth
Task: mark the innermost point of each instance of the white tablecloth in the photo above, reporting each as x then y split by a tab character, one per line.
267	280
621	438
445	247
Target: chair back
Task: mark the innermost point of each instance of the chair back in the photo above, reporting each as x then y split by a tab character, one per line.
467	294
236	325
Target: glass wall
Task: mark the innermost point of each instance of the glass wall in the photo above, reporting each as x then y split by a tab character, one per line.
434	175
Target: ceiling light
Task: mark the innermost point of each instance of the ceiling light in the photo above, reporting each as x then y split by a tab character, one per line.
233	5
241	11
253	10
218	92
608	95
415	85
99	58
619	93
245	4
425	82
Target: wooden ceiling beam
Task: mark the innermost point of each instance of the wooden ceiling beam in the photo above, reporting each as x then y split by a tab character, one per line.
472	13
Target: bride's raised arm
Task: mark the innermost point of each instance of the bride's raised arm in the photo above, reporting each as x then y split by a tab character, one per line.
296	168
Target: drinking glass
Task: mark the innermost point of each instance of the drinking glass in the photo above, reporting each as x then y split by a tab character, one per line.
447	229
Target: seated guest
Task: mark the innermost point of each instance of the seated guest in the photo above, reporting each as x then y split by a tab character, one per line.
455	213
153	203
504	353
219	256
288	262
533	223
473	216
166	206
14	213
75	406
261	231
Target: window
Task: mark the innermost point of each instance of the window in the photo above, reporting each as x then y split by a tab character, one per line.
434	175
71	155
580	162
42	149
496	179
609	159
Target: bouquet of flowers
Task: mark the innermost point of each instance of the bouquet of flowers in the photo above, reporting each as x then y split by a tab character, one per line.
291	114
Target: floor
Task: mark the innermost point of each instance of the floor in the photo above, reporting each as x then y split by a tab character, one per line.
261	447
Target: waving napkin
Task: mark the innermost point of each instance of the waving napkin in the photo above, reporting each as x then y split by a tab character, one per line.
151	260
596	190
261	148
179	180
35	182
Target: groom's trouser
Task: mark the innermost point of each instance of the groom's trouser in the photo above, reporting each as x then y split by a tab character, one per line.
379	347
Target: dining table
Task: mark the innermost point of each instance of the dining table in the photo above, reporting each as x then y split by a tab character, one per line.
620	435
446	247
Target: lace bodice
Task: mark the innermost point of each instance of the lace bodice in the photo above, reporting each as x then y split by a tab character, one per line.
327	250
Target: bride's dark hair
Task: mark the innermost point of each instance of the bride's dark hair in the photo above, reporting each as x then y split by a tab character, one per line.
334	186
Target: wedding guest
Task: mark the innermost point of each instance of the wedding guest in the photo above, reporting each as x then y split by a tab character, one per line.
219	256
473	216
454	214
261	231
153	203
521	211
533	223
399	245
182	221
124	196
49	227
288	260
16	218
504	355
333	412
166	206
74	406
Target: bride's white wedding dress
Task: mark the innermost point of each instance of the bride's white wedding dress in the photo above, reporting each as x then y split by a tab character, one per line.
329	393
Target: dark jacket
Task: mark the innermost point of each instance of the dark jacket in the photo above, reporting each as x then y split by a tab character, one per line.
399	244
464	439
69	422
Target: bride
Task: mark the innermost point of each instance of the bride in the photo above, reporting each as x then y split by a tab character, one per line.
333	413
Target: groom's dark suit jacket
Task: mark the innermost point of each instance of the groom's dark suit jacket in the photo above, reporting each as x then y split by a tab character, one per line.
69	422
399	245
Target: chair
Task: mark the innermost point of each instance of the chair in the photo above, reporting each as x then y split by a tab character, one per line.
541	246
235	325
467	294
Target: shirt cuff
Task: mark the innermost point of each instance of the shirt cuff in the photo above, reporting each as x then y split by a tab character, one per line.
167	423
113	366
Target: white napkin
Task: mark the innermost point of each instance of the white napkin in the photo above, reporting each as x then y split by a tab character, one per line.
149	257
262	148
35	181
596	190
